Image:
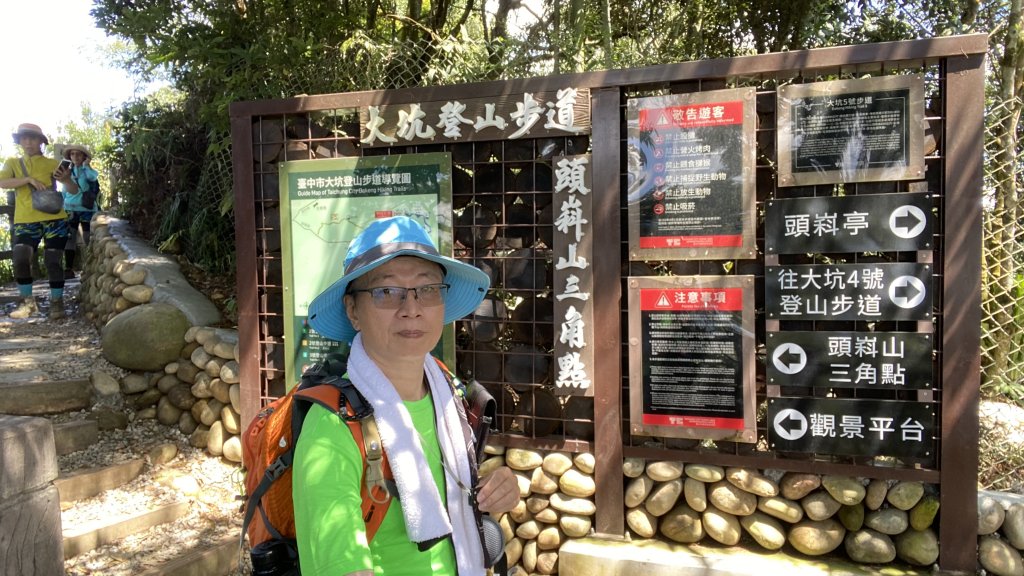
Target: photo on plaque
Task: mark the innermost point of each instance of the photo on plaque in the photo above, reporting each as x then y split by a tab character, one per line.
864	130
690	190
691	357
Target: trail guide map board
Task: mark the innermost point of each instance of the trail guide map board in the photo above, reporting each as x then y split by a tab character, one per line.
326	203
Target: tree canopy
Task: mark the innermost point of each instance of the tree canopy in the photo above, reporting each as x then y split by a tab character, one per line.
172	152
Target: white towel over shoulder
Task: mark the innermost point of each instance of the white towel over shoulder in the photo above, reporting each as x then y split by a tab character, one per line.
422	506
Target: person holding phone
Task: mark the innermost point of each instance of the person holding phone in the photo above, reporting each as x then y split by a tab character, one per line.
35	171
78	158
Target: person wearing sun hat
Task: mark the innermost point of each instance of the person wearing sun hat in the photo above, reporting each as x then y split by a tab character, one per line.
395	296
34	171
79	216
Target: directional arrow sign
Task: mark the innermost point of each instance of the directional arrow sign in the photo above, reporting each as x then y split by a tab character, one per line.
868	291
833	359
907	292
790	424
789	358
907	221
867	223
853	427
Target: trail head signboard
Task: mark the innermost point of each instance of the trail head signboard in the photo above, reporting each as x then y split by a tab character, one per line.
563	112
863	130
691	175
867	223
866	292
573	277
691	357
852	427
873	360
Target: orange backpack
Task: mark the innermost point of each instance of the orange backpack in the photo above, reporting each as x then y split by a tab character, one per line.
268	449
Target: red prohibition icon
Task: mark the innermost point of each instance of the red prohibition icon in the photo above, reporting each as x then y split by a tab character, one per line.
659	209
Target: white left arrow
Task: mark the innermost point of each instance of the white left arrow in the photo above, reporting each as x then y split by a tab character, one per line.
790	424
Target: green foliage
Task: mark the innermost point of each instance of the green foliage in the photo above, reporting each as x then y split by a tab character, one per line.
157	142
171	152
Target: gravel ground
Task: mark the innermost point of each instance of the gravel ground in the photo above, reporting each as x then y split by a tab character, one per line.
208	484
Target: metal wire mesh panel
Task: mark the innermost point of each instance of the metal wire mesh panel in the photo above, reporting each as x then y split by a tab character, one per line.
502	215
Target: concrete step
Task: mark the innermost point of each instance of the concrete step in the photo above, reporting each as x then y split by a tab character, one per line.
82	539
50	397
73	436
216	559
82	484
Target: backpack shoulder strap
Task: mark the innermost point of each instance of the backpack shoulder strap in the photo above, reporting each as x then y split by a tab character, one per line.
340	396
477	407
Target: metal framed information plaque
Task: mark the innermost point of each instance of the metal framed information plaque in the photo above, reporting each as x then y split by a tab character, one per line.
691	176
691	357
327	203
862	130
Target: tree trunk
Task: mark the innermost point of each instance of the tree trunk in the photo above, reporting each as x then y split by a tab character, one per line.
1004	301
606	33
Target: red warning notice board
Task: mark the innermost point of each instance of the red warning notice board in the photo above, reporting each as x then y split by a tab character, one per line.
691	175
691	357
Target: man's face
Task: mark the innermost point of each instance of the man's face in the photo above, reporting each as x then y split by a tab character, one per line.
412	330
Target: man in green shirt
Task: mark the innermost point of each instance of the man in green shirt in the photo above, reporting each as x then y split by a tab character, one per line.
396	295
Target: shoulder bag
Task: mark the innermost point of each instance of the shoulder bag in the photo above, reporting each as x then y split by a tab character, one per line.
47	200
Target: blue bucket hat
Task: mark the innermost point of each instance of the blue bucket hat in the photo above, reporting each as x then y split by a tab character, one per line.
377	244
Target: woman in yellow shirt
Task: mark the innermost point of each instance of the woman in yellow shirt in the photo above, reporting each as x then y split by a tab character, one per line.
34	171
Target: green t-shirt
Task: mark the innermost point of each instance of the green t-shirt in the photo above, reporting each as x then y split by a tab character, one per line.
326	480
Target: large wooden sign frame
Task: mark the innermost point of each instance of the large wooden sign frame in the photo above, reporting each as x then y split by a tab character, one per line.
952	70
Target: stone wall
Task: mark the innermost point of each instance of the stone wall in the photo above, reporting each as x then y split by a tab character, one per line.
198	392
870	521
121	271
556	502
153	323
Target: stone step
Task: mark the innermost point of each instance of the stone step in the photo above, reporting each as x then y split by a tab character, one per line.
73	436
82	539
216	559
50	397
82	484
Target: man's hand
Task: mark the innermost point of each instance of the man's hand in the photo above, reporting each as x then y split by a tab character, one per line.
498	491
35	184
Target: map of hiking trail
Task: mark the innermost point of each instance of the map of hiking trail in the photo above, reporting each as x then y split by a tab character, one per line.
322	228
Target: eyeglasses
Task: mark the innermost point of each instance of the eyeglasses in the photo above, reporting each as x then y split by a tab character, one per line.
392	297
